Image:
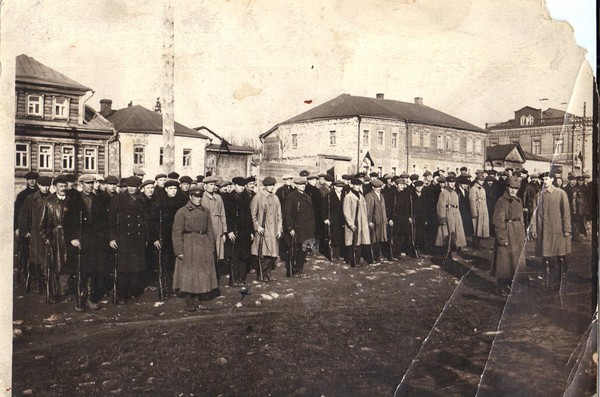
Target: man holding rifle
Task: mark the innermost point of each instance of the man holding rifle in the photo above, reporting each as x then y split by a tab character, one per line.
266	218
299	224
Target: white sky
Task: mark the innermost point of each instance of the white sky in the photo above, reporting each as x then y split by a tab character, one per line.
243	65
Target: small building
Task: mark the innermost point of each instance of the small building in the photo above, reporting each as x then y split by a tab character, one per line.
224	159
55	131
553	134
350	133
139	142
512	155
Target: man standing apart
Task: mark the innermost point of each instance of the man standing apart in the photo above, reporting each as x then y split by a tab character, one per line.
510	236
551	226
266	217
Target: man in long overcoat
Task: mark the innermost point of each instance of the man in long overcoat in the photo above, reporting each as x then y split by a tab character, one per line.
419	216
241	231
464	205
29	227
128	234
265	210
357	224
580	207
398	213
450	231
333	217
194	247
551	227
299	226
510	236
377	218
53	237
214	205
479	211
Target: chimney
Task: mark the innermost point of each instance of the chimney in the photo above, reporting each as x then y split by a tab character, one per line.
105	107
418	100
158	106
379	96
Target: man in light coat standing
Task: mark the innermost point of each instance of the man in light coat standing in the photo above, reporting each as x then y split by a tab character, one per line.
479	211
357	225
450	230
266	217
551	227
213	203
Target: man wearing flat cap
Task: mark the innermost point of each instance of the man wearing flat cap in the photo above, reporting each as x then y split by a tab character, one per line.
529	197
357	223
510	236
29	230
479	211
450	234
213	203
551	227
298	226
265	210
128	234
580	206
399	218
240	232
377	220
333	219
30	188
315	196
432	193
285	189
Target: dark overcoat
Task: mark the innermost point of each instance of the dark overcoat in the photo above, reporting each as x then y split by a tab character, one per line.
29	222
162	215
465	211
239	221
128	225
377	213
20	200
331	208
52	230
510	236
298	215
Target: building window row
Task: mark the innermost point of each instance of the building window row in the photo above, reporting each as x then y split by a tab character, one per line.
45	157
60	106
139	156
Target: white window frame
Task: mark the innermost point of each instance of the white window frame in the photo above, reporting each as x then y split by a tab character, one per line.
39	103
469	144
394	140
294	141
529	120
415	138
366	136
380	171
48	157
139	158
559	143
22	157
440	142
90	154
426	140
536	146
393	171
65	156
380	138
332	138
187	157
66	107
478	146
448	145
457	143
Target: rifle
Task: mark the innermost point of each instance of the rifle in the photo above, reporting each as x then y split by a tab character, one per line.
329	228
355	233
233	256
371	235
292	253
392	229
161	286
449	239
79	303
48	258
412	226
260	245
116	265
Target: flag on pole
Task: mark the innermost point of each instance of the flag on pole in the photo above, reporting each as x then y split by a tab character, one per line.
368	159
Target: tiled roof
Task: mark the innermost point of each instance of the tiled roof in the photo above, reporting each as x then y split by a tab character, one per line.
28	70
347	105
137	118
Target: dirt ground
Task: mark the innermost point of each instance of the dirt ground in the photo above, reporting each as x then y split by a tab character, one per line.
399	328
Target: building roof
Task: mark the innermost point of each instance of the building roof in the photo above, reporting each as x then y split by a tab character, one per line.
94	119
137	118
501	152
28	70
535	157
347	105
230	149
550	116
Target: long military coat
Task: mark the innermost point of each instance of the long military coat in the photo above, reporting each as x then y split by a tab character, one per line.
213	203
331	208
29	222
464	207
128	225
92	234
355	214
479	211
239	221
376	213
552	219
508	226
298	215
51	230
580	204
450	221
162	216
193	238
266	209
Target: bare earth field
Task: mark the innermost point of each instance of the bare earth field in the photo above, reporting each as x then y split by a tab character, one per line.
413	328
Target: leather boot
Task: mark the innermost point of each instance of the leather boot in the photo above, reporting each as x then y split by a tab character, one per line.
190	305
88	291
564	268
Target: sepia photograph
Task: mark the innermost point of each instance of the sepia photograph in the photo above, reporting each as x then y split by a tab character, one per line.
321	198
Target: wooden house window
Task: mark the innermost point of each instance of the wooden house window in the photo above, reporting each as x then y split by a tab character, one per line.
45	157
187	157
35	105
380	138
68	158
440	142
139	157
365	138
558	145
536	146
22	155
294	141
90	159
60	108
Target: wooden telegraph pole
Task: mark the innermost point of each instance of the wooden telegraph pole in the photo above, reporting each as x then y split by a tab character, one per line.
168	117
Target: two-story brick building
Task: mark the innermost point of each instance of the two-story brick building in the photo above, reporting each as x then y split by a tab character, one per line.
397	136
55	132
139	142
562	137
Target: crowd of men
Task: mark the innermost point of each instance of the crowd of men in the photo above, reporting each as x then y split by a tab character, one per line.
101	235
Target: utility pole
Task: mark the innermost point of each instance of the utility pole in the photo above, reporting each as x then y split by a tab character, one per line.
168	60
